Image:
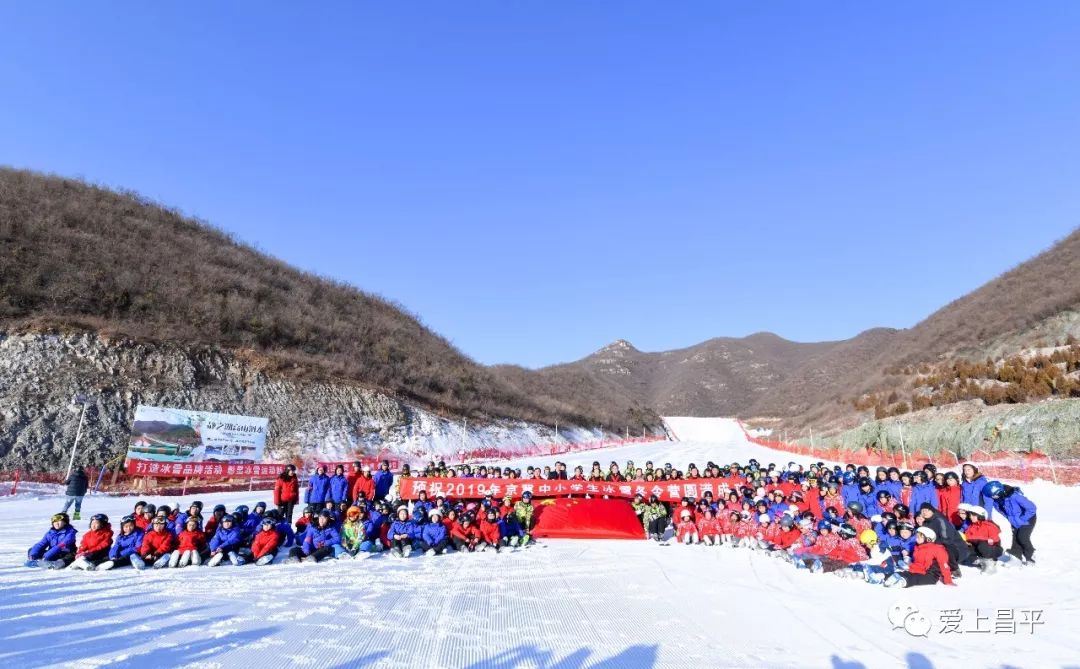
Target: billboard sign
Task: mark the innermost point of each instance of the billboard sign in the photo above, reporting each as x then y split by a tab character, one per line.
179	436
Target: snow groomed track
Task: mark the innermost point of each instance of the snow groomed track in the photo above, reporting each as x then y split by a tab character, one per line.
564	603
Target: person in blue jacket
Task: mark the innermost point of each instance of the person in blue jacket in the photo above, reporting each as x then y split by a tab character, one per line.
56	549
510	530
423	504
893	485
384	478
972	483
226	543
402	534
906	532
318	488
283	529
252	524
321	541
339	486
868	498
434	538
126	544
1020	512
849	489
194	509
923	491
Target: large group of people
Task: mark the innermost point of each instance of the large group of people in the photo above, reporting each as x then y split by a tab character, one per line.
891	527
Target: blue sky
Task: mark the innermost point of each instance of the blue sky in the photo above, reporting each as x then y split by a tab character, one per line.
535	180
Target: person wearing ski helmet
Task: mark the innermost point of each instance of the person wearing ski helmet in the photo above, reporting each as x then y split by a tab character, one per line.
125	545
322	540
157	546
144	521
685	527
403	533
434	537
226	543
489	530
264	546
947	535
929	565
524	512
879	564
352	530
1021	514
191	544
655	518
94	548
56	549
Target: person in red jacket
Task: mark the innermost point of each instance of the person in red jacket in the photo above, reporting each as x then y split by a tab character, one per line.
157	546
685	527
189	545
930	564
350	480
787	534
143	520
708	528
949	498
465	536
95	545
489	530
264	546
287	492
364	486
984	536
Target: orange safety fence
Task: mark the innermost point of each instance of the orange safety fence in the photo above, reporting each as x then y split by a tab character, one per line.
1003	464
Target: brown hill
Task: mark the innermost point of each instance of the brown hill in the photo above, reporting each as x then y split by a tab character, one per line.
76	256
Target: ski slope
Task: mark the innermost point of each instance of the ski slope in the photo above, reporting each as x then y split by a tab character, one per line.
563	604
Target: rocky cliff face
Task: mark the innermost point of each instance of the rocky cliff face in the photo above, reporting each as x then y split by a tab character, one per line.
41	373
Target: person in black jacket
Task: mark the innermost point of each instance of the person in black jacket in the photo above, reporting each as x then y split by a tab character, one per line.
947	535
76	483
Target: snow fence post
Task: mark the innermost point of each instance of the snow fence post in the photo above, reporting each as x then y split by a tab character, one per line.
1053	471
15	484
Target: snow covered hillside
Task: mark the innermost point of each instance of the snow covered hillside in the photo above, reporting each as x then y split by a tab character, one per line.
563	604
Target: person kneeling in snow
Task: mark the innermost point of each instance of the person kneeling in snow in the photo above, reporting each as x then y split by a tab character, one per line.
190	545
95	544
930	564
126	544
265	544
157	546
226	543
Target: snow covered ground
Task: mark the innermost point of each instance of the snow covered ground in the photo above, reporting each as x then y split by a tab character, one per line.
564	604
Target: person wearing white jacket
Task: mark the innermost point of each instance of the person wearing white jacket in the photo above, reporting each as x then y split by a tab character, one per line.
879	565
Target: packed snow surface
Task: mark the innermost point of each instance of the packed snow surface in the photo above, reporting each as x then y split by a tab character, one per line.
562	604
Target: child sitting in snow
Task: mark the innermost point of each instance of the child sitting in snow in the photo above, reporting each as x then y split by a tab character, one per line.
984	536
708	528
929	565
95	544
125	545
190	545
685	529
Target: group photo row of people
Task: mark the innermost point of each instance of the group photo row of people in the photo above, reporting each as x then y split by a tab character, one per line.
897	528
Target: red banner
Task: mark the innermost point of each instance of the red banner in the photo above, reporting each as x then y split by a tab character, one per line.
203	470
464	488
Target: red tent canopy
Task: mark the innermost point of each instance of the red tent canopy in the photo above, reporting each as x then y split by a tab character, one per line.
579	518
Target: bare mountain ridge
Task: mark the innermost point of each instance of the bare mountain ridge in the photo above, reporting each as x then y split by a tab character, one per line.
75	257
766	375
